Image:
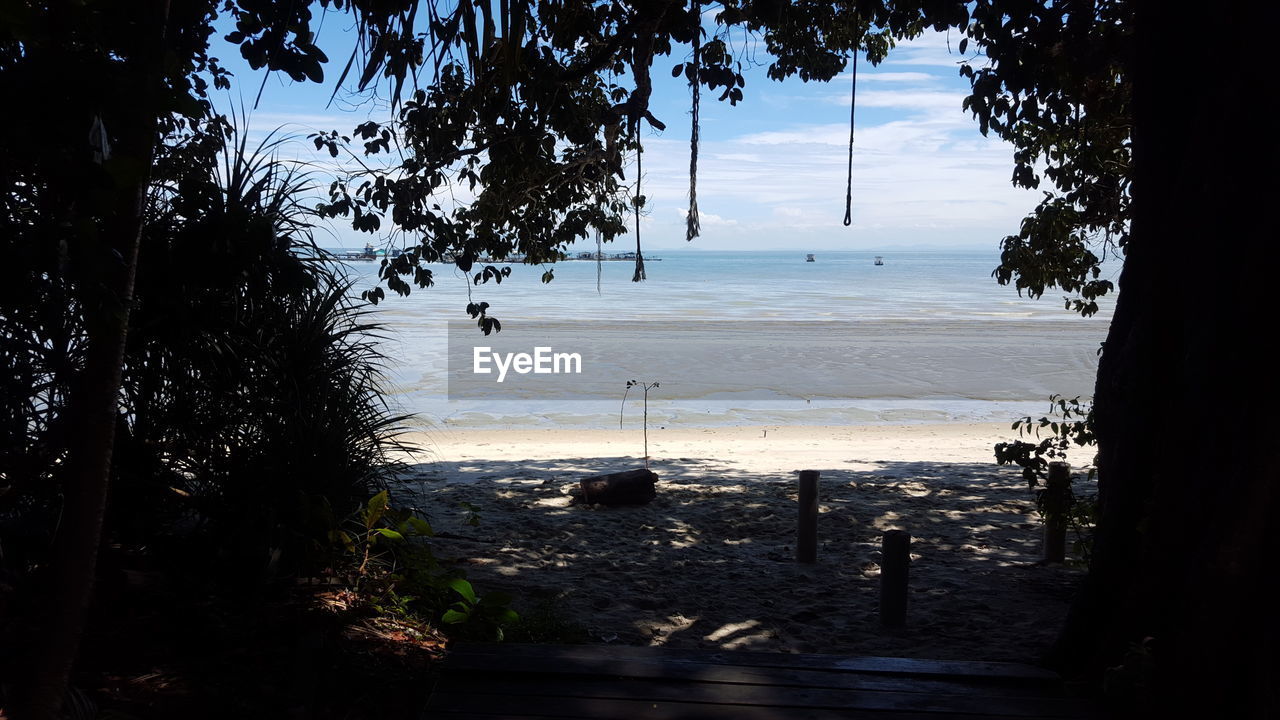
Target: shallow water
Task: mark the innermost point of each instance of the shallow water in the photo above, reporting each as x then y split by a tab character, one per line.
743	338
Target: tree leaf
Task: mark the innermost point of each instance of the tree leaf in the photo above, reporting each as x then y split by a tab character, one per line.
389	534
463	588
374	511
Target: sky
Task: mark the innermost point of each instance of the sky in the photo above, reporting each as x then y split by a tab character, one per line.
772	170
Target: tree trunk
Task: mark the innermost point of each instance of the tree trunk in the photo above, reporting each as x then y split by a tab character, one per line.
106	295
630	487
1174	604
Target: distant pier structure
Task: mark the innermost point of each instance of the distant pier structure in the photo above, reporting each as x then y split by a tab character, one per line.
368	254
609	257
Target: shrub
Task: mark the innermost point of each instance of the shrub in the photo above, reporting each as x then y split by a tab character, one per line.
1068	426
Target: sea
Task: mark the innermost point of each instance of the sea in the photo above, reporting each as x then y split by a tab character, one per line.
734	338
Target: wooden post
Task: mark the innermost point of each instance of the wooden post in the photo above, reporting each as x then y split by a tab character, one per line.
894	561
807	539
1057	501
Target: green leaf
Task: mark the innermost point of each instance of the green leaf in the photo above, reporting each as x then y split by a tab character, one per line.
374	511
313	70
454	617
414	525
339	536
463	588
389	534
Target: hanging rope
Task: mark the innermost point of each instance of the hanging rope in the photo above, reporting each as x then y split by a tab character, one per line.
848	188
693	226
599	260
639	274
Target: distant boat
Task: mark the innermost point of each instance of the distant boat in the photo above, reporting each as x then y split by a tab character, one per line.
879	260
808	258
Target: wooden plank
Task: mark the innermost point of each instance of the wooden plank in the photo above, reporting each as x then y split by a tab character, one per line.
471	714
446	704
678	669
764	696
577	682
543	654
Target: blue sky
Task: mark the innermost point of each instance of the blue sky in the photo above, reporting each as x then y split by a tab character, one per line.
772	169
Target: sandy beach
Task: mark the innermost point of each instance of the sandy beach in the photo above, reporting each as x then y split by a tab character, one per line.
710	562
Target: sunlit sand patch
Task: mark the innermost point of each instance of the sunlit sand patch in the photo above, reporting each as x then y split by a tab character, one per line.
887	521
660	632
914	489
740	635
731	629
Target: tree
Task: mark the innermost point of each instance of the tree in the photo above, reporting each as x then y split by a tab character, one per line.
132	80
533	108
1144	153
1186	539
1057	85
84	202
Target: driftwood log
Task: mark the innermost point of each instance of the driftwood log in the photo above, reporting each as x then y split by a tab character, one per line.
631	487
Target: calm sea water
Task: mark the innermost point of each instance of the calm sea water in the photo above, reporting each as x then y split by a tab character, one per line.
750	338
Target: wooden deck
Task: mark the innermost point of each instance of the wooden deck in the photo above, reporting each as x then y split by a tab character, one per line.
544	681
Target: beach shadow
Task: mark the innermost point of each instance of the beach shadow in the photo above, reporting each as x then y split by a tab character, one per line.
710	562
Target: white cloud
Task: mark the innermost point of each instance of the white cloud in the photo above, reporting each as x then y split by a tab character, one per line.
706	219
887	77
921	171
305	122
910	100
928	177
742	157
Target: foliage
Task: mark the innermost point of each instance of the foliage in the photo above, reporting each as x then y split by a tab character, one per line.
1069	425
258	398
1056	85
402	578
516	140
376	522
472	516
547	622
517	135
251	408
